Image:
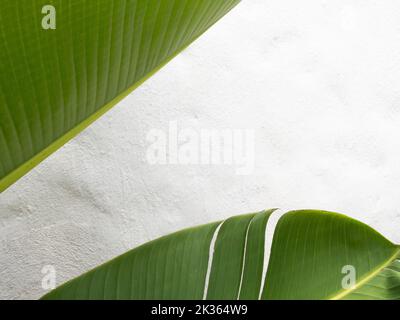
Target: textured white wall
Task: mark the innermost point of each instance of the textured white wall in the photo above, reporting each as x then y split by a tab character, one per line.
317	79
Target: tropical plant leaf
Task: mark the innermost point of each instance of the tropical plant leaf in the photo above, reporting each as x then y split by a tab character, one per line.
55	82
303	254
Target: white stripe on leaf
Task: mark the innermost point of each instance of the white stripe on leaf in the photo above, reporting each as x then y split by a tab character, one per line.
210	260
269	236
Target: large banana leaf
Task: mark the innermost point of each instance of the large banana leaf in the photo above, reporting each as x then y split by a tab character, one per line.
55	82
269	255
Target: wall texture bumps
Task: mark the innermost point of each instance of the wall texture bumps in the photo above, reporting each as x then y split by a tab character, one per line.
317	81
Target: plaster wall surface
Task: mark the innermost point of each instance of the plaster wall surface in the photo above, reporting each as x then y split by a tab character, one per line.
317	80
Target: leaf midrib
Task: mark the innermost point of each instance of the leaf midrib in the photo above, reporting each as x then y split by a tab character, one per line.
367	278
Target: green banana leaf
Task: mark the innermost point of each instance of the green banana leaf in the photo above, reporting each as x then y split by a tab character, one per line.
57	79
273	254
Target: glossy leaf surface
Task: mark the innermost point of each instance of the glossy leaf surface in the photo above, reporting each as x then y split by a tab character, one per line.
56	82
313	255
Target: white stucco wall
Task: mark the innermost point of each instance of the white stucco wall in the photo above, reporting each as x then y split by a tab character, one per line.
318	80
